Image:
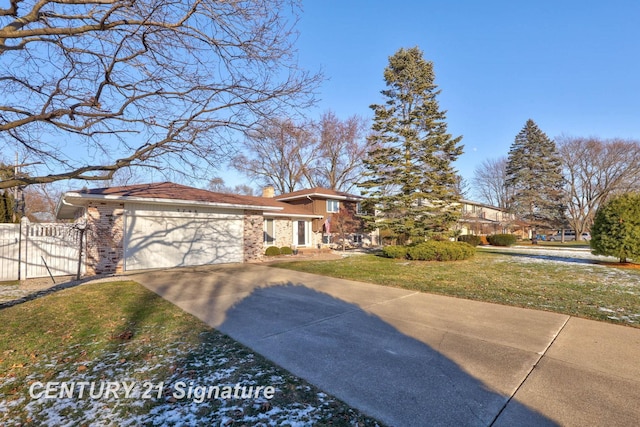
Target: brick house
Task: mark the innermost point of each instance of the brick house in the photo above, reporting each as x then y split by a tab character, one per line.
163	225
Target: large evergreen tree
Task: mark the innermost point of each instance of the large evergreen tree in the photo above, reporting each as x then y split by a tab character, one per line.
409	175
534	178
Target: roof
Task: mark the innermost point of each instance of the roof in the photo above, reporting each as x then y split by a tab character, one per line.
319	192
168	192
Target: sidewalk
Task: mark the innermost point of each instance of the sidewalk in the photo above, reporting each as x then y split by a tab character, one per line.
412	359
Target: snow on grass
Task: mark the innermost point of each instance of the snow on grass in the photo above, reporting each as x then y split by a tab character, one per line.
580	260
204	365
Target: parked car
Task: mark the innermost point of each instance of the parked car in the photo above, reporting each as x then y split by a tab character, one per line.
568	236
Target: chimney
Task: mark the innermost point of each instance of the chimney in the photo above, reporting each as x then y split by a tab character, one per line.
268	191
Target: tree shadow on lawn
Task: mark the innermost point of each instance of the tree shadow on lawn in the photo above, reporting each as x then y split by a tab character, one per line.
47	291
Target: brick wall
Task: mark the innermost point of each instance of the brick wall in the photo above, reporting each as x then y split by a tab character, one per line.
105	246
253	236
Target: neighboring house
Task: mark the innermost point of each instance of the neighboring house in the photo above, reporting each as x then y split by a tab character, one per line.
164	225
479	218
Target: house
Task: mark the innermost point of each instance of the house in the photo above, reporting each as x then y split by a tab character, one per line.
479	218
162	225
327	205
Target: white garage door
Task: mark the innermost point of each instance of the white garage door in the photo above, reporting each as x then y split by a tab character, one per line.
160	237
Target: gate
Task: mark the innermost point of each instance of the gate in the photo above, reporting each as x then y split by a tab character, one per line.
38	250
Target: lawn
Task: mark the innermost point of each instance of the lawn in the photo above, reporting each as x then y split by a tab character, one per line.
563	284
120	332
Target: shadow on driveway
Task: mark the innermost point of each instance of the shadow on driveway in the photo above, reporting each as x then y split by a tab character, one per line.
346	351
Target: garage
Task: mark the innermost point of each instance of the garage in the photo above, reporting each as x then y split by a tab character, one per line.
164	225
170	236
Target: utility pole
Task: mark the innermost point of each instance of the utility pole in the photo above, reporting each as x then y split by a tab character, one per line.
17	191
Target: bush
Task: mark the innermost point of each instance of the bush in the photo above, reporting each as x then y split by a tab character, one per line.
470	239
502	239
616	228
441	251
272	251
394	251
286	250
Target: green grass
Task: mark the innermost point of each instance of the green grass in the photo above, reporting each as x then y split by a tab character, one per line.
590	291
120	331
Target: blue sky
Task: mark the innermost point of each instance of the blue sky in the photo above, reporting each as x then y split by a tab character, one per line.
571	66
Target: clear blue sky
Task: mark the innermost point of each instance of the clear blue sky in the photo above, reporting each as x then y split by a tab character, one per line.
571	66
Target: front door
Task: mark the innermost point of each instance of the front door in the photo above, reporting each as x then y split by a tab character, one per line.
302	239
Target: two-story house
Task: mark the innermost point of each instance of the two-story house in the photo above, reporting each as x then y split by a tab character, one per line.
329	212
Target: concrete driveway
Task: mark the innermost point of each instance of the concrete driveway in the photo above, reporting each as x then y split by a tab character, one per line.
412	359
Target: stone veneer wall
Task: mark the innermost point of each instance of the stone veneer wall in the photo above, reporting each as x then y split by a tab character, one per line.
105	232
253	236
284	232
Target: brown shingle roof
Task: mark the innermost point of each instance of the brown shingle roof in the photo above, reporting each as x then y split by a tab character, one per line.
172	191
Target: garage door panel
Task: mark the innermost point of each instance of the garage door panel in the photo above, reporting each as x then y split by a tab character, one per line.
160	242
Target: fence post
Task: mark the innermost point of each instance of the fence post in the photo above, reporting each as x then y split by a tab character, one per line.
22	248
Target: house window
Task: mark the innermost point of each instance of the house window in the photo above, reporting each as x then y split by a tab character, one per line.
269	232
333	205
359	208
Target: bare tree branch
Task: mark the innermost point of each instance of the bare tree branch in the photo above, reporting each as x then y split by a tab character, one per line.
92	86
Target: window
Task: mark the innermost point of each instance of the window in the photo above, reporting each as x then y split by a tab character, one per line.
333	205
269	232
359	208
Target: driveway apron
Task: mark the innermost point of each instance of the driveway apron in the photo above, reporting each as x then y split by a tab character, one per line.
412	359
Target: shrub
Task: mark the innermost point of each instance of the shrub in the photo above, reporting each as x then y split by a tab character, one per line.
470	239
502	239
616	228
272	251
286	250
394	251
441	251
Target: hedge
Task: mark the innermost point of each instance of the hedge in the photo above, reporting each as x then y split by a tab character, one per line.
272	251
395	251
470	239
432	251
286	250
502	239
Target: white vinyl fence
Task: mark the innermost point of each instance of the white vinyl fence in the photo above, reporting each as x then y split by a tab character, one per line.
38	250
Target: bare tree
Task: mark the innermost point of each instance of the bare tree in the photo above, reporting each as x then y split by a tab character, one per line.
218	185
41	202
93	86
595	170
341	148
489	182
279	153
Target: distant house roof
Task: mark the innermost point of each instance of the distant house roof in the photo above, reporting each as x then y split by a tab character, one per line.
318	192
168	192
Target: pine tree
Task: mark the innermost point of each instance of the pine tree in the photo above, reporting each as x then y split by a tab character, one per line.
6	207
409	175
616	228
534	178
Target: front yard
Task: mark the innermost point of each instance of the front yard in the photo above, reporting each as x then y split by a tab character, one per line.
564	281
112	335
